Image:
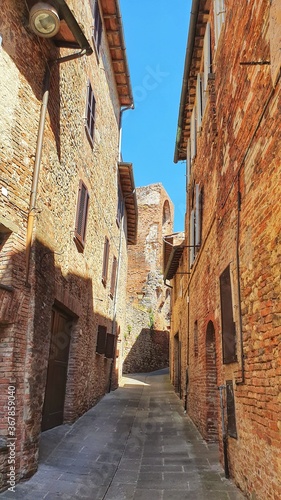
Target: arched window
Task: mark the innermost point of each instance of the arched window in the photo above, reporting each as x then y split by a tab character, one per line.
166	218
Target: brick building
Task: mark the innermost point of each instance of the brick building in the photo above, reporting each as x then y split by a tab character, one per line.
68	212
148	300
226	312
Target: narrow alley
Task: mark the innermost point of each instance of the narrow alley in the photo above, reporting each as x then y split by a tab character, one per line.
135	444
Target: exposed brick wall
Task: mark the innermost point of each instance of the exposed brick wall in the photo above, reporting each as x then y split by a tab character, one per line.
238	149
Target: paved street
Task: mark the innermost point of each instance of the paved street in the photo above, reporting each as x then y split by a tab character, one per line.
135	444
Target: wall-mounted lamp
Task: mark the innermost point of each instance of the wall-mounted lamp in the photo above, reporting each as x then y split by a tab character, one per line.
44	20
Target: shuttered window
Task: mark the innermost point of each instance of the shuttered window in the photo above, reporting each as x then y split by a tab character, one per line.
81	216
188	164
230	409
101	340
195	224
207	57
228	325
90	113
199	101
191	238
193	134
110	344
219	17
97	29
120	206
198	216
113	276
105	260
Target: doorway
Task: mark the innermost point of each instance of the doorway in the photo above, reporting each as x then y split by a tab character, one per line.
57	370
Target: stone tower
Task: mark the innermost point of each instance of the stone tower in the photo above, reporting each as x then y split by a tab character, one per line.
148	299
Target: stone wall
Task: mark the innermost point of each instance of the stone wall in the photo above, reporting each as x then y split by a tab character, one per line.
60	275
144	349
148	299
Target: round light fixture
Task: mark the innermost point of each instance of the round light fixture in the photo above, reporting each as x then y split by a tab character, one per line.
44	20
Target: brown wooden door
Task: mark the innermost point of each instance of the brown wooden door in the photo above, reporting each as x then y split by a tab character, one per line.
57	370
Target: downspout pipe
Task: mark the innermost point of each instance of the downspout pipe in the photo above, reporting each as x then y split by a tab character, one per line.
38	153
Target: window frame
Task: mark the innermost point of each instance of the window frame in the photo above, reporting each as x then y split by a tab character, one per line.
81	219
120	206
219	18
90	114
97	27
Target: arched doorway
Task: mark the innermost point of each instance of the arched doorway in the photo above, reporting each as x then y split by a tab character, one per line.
211	385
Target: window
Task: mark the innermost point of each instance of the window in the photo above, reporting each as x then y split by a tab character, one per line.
110	346
230	409
228	325
113	276
97	29
90	113
195	225
188	164
105	260
219	16
275	40
101	340
207	63
120	206
193	134
199	101
81	216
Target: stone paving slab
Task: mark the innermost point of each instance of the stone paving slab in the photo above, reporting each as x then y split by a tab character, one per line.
135	444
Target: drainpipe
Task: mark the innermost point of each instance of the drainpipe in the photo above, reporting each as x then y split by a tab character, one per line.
38	152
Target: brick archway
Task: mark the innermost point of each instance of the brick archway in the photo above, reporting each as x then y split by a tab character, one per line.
211	385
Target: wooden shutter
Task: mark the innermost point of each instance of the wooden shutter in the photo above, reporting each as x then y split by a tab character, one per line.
105	260
113	276
219	16
193	134
90	113
101	340
230	408
198	216
81	215
97	27
199	107
191	239
110	344
188	164
228	325
207	57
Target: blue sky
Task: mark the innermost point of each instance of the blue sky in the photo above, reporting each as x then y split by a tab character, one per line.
155	35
